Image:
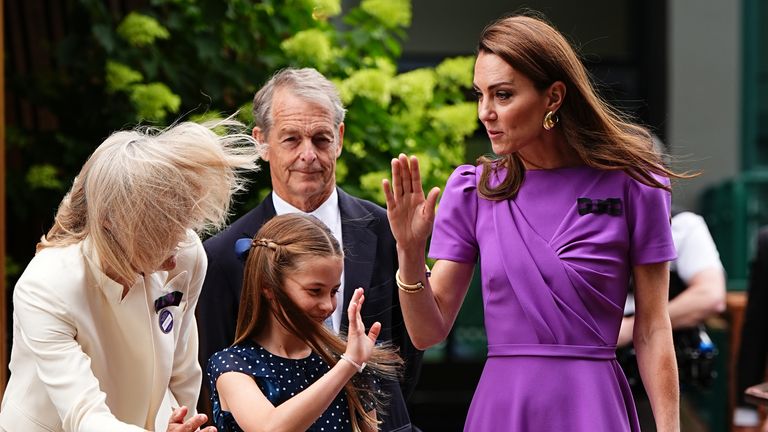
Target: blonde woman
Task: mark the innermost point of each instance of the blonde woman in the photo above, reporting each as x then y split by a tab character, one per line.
104	324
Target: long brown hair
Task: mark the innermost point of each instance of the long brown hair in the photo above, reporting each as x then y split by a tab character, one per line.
603	137
280	246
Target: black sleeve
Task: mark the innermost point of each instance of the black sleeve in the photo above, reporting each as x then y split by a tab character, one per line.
410	354
413	359
753	351
386	266
217	307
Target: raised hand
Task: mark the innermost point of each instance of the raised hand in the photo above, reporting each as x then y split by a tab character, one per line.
410	213
359	345
177	424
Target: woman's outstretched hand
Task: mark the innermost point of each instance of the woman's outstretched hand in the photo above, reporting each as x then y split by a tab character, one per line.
359	345
410	214
177	424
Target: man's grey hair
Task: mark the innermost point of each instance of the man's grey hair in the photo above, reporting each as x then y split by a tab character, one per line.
306	83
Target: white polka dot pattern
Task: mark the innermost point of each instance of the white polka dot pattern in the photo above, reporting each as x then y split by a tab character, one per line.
278	378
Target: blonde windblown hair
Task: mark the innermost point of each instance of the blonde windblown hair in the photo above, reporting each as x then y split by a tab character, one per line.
141	190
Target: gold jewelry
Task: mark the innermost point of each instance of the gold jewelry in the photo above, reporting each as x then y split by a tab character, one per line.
357	366
550	120
411	288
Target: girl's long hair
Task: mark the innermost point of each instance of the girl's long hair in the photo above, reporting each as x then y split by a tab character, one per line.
278	249
603	137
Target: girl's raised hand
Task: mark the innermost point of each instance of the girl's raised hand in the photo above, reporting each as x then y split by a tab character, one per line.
410	213
359	345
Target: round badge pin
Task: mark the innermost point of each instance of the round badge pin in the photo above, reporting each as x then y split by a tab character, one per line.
166	320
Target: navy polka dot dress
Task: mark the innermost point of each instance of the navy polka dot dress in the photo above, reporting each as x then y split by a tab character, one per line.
279	379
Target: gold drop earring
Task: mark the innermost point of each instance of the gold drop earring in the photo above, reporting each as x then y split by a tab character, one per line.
550	120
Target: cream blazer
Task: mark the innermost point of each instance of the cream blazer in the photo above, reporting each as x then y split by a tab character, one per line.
83	359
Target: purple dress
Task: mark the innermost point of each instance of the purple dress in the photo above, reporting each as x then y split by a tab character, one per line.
555	263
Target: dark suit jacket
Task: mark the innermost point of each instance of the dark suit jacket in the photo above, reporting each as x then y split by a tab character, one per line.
370	261
753	351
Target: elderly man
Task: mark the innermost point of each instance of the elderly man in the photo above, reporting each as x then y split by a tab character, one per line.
299	116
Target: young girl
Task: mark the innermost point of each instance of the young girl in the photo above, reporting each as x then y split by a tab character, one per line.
285	370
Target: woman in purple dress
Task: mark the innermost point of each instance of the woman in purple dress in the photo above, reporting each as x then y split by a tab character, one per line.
575	202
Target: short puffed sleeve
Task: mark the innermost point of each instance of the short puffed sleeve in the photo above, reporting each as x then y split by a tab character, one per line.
237	358
648	220
244	359
453	237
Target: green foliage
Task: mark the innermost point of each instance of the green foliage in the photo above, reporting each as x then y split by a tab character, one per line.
43	177
391	13
120	77
322	9
201	59
454	122
141	30
309	47
371	84
415	88
154	101
410	113
455	72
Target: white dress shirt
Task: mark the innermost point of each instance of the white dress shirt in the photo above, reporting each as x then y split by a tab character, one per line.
329	214
696	251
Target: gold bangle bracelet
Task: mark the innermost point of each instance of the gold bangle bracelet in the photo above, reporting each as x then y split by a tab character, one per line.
410	288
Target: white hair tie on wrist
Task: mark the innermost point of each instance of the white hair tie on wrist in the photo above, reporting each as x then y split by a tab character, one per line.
359	367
